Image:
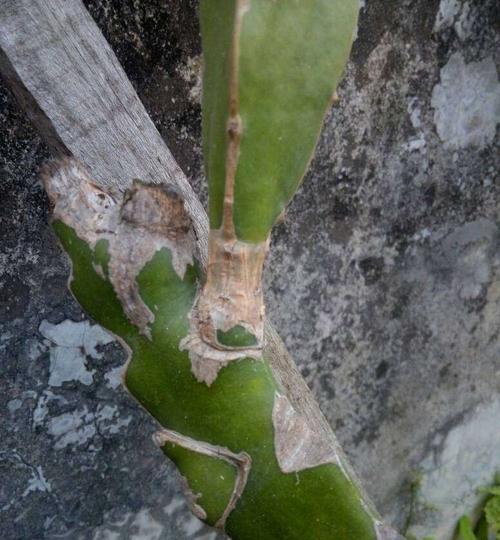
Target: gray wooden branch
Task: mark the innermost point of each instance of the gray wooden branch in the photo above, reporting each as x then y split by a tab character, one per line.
65	75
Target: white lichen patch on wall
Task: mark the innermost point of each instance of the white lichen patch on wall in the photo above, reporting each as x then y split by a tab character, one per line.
191	72
132	526
148	524
466	103
191	525
70	344
145	527
418	142
41	409
77	427
114	377
448	10
108	419
461	462
72	428
457	14
68	364
37	482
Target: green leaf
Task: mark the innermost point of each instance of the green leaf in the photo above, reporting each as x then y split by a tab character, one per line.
492	512
494	490
465	529
482	528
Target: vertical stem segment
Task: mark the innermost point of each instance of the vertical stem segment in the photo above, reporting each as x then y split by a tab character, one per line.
270	70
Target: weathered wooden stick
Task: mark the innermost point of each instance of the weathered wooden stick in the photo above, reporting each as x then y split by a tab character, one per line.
66	76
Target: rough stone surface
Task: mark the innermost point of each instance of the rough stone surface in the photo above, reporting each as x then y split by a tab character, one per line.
383	280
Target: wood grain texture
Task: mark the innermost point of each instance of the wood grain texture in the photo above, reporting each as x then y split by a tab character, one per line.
64	73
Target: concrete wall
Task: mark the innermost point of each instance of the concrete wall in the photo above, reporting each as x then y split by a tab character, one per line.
384	281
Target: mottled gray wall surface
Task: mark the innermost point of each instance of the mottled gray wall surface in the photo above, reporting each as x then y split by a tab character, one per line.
384	281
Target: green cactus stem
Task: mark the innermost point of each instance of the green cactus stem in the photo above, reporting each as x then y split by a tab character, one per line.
252	465
270	73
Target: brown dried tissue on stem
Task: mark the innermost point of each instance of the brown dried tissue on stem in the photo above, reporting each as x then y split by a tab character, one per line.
298	446
135	226
241	461
232	296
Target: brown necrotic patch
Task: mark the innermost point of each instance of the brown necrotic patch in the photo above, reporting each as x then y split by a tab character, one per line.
135	226
241	461
297	445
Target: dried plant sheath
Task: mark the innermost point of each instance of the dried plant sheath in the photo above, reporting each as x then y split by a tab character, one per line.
270	72
252	465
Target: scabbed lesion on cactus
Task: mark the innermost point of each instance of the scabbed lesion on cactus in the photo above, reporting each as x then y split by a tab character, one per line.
132	227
